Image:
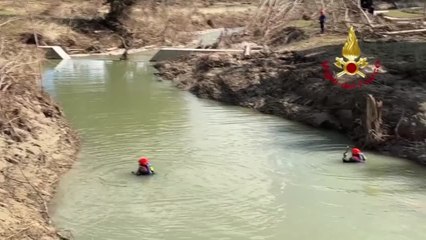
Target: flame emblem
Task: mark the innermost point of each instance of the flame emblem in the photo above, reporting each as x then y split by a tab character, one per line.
351	52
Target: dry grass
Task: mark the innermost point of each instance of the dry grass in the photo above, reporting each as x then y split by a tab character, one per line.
43	17
29	125
316	41
226	9
19	78
163	25
17	66
51	33
402	14
169	25
20	7
63	8
68	23
304	24
72	9
20	75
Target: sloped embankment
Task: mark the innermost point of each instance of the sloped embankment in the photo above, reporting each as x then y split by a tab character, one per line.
36	147
291	85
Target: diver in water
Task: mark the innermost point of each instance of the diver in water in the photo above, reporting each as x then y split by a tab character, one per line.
145	167
357	156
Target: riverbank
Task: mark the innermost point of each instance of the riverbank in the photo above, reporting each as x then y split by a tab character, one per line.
291	84
80	27
37	146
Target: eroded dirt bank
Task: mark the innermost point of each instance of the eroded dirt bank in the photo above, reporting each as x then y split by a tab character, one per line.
36	147
291	85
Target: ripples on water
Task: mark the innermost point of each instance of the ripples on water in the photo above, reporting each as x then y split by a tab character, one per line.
223	172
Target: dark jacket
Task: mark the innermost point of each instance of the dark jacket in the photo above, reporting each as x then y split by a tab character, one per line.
144	170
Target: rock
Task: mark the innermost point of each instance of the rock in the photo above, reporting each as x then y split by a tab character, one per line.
324	120
345	117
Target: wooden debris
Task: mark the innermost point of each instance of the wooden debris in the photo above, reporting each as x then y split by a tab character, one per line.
405	31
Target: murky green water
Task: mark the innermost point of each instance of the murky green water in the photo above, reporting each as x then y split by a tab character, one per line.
223	172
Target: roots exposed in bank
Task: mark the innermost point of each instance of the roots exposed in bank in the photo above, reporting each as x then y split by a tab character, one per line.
373	122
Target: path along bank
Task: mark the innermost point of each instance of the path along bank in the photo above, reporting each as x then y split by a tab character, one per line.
292	85
37	146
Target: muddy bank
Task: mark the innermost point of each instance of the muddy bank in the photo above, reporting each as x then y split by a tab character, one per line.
291	85
36	147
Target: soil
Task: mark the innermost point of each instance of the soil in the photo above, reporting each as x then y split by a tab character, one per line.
32	162
291	84
36	146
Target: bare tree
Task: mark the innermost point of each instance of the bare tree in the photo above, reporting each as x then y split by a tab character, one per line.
119	9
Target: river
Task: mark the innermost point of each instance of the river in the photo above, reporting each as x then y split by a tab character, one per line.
224	172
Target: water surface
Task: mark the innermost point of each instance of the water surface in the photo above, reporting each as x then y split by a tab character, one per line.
223	172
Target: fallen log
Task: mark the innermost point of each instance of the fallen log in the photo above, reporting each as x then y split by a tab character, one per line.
403	19
404	31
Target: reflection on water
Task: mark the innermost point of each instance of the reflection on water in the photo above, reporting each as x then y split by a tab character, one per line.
223	172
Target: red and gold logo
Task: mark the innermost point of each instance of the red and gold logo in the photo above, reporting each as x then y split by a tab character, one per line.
351	65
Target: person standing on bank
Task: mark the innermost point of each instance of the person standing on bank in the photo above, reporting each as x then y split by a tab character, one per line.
322	20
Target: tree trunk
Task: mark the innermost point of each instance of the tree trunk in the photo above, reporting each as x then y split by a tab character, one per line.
119	11
373	120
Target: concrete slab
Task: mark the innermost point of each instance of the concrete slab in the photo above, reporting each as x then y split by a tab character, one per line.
173	53
55	52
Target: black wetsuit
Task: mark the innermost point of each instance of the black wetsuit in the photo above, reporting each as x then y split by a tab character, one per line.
360	159
144	170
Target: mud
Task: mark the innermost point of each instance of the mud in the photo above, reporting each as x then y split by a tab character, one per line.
292	85
36	147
